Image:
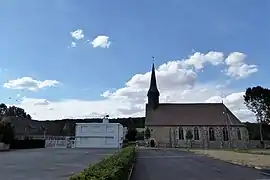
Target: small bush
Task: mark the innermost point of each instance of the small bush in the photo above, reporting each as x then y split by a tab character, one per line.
6	132
115	167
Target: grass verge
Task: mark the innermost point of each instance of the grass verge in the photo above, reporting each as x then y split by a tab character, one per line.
115	167
245	159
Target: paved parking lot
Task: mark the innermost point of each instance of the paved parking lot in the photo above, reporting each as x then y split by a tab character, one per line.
177	165
47	164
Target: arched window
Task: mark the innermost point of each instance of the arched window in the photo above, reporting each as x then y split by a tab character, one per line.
225	134
212	134
196	134
181	133
239	134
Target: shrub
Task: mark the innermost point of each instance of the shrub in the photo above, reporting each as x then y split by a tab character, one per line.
6	132
115	167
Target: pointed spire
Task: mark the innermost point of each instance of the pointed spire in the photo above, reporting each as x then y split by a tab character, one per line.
153	93
153	81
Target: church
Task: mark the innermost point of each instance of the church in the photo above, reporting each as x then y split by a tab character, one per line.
212	125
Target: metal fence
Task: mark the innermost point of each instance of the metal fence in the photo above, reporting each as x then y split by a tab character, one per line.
60	142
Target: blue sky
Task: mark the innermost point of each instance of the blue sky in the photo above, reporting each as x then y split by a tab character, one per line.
36	43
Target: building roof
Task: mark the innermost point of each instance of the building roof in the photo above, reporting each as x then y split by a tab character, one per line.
207	114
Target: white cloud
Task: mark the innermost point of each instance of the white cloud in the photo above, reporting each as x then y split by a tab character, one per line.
73	44
29	84
101	41
198	59
237	67
177	82
77	34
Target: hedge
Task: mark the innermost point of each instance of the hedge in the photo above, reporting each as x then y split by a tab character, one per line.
115	167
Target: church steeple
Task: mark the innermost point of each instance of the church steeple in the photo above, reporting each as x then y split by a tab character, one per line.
153	93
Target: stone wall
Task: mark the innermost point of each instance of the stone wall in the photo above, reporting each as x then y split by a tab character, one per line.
169	137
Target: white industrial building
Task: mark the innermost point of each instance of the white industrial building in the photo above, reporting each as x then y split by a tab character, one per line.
99	135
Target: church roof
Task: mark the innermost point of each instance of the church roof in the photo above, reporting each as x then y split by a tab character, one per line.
207	114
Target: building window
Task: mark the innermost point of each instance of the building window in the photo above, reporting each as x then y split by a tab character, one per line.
196	134
212	134
239	134
181	133
225	134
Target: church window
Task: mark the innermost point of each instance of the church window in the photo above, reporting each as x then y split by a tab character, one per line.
239	134
225	134
196	134
212	134
181	133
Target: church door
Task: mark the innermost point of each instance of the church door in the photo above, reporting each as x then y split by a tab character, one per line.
152	143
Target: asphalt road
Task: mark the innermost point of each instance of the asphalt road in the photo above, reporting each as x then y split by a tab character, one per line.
47	164
177	165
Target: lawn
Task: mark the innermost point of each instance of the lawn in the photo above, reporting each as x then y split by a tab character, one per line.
253	151
254	158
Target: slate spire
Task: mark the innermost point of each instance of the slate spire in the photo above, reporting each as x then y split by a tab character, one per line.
153	93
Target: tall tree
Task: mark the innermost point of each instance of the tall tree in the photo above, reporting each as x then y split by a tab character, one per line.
257	100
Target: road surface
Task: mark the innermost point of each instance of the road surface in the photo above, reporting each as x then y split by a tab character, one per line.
47	164
179	165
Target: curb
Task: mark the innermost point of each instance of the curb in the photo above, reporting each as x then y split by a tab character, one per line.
131	171
264	173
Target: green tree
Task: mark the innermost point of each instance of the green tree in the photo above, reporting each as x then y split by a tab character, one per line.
131	134
257	100
6	132
189	136
147	133
3	109
13	111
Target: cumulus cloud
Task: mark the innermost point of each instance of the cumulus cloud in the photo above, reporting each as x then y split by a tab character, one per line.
237	67
199	59
29	83
77	34
177	81
101	41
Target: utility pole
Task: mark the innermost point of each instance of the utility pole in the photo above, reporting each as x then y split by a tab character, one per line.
118	137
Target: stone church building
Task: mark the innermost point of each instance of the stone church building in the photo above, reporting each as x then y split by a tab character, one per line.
212	125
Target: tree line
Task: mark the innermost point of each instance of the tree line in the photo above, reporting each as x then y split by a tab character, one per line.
7	128
13	111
